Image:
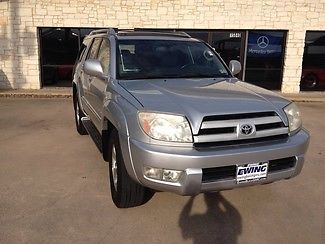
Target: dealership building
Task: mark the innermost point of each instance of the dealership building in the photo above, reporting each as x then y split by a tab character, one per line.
281	44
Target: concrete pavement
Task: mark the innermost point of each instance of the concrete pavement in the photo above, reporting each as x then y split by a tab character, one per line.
54	189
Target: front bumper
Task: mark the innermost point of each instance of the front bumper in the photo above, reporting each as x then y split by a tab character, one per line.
192	161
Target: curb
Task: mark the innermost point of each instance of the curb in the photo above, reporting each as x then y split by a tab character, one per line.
42	93
33	95
305	97
306	100
319	98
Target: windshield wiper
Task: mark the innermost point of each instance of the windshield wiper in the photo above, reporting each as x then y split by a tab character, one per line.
202	76
173	76
143	77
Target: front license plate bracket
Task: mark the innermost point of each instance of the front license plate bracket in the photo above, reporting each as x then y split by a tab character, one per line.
251	172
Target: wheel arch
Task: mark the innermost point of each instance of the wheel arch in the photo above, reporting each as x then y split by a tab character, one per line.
108	127
74	87
113	118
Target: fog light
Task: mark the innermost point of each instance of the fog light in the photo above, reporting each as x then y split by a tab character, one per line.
153	173
171	175
162	174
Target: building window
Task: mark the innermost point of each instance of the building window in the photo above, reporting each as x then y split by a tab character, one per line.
313	66
59	51
264	58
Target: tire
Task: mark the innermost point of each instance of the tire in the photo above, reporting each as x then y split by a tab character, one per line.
125	192
310	82
78	114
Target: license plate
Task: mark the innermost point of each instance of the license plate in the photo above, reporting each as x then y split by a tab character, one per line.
251	172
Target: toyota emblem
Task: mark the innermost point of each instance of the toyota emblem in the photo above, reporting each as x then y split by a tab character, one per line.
246	129
263	41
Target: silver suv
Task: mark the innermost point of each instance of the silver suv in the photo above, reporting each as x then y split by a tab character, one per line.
169	115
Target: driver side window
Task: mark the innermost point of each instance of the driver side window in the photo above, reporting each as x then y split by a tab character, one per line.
92	54
103	55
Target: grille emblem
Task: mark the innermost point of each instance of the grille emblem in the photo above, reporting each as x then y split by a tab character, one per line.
246	129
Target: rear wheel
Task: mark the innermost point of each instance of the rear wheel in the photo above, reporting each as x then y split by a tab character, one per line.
78	114
125	191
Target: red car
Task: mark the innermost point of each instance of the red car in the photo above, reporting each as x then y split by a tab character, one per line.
313	78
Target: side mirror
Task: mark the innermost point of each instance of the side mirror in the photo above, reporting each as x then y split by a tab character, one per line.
93	67
235	67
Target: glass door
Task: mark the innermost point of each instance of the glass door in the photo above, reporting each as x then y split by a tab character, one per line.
230	45
59	49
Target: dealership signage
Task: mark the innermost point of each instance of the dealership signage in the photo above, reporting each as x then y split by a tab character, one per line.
264	45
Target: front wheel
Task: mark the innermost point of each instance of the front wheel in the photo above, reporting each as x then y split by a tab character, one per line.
125	191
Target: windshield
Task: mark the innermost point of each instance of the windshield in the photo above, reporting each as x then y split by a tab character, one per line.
149	59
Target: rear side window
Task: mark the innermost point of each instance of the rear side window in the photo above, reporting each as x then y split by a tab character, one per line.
92	54
103	55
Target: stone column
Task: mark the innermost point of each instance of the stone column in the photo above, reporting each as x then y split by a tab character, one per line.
292	69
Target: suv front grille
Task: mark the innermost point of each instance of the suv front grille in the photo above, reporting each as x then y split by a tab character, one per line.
226	129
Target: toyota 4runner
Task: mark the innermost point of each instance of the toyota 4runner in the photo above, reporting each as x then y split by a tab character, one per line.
169	115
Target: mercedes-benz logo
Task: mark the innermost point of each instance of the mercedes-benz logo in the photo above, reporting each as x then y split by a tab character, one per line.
263	41
246	129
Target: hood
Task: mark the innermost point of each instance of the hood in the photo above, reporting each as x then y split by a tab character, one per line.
196	98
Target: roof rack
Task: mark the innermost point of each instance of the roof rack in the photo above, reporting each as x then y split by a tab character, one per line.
139	32
103	31
153	33
181	33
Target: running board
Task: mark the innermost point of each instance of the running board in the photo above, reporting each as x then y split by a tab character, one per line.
93	132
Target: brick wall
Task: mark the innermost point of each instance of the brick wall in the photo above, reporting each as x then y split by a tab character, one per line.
19	19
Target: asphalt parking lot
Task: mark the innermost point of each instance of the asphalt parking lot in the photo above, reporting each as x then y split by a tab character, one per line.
54	188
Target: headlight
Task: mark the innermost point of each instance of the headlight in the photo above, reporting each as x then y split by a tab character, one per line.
165	127
293	114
